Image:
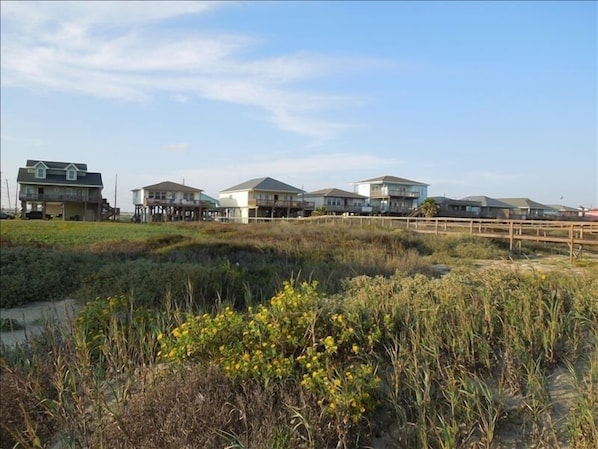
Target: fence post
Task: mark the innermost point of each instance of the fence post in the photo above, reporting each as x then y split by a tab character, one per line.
511	236
571	242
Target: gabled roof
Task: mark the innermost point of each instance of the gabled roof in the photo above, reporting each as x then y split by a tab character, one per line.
390	180
263	184
524	203
464	202
171	187
337	193
56	165
89	180
486	201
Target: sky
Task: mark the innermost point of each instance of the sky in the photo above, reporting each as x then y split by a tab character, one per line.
473	98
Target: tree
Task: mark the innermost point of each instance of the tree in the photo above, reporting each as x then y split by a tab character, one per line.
429	207
319	211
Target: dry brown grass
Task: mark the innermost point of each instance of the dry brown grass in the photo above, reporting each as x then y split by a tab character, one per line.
196	407
23	420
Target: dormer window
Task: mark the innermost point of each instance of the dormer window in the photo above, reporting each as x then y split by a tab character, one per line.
71	175
40	172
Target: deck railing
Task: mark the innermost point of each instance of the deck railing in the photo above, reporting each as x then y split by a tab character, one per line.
389	192
281	204
60	197
176	202
575	234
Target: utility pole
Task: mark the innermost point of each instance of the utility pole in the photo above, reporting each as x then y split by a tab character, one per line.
115	189
8	194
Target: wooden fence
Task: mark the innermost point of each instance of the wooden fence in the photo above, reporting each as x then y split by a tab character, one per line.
574	234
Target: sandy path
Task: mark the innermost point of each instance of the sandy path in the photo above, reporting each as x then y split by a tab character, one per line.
35	316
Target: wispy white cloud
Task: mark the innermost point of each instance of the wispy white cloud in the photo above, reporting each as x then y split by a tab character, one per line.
118	50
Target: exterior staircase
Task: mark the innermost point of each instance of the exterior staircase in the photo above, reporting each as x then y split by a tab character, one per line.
108	212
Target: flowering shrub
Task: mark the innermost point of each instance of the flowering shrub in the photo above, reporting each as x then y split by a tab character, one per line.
296	336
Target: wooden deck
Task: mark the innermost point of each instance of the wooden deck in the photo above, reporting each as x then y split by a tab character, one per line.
575	234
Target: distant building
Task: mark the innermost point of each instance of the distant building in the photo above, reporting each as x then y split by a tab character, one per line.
490	207
262	198
170	201
590	214
526	209
66	190
560	212
449	207
390	195
336	201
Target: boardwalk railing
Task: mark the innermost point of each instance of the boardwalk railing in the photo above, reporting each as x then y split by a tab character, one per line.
574	234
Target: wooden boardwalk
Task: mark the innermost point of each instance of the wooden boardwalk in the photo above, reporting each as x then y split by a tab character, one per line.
575	234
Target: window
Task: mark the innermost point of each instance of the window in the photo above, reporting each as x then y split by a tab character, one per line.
40	172
71	175
188	196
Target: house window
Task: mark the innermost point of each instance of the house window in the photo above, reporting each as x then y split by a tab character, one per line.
40	172
71	175
188	196
150	195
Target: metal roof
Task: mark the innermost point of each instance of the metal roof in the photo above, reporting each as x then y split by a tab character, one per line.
391	180
263	184
88	180
337	193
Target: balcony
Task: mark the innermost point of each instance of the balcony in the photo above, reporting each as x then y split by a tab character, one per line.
92	197
175	203
386	192
285	204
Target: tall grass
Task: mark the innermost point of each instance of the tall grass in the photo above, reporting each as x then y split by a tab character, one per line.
397	354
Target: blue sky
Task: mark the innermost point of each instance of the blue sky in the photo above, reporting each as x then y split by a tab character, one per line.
473	98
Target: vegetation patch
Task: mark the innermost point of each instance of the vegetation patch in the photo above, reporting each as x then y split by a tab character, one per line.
297	337
9	325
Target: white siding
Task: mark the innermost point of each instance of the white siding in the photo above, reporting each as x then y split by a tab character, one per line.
234	199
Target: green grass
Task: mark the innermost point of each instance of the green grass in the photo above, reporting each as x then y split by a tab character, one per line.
69	234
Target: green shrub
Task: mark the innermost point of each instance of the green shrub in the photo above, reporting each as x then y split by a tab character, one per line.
29	274
298	336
